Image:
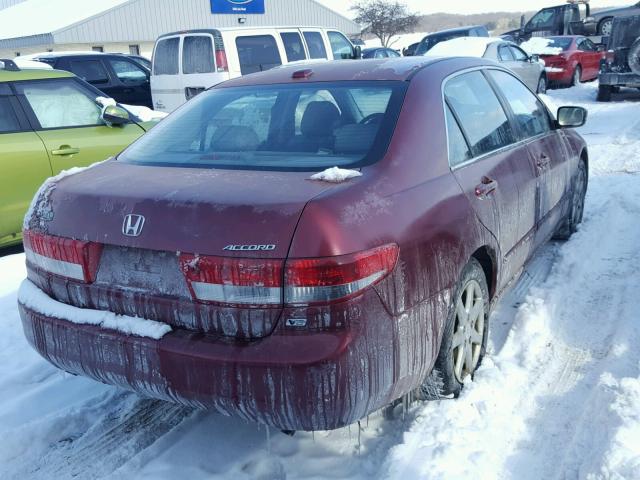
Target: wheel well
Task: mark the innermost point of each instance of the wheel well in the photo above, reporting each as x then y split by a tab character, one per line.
486	259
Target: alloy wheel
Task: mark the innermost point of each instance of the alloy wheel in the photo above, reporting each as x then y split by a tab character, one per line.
578	197
542	85
468	330
576	76
606	27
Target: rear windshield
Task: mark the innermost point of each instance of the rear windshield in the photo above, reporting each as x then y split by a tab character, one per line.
276	127
559	42
432	40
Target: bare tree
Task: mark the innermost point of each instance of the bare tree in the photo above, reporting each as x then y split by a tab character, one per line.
384	19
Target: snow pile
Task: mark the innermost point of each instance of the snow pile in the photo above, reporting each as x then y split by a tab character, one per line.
26	64
540	46
34	298
462	47
336	175
398	42
145	114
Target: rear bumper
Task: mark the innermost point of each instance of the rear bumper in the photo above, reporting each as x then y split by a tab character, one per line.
620	79
298	381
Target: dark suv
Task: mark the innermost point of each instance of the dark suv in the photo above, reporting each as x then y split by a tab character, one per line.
433	39
118	76
621	67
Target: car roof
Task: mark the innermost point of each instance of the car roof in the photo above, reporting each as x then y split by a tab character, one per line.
242	29
382	69
32	74
454	30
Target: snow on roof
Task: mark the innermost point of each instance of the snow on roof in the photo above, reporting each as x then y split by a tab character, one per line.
37	17
462	47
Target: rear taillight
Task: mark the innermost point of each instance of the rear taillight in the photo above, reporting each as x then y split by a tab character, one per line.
268	282
233	281
63	256
221	61
319	280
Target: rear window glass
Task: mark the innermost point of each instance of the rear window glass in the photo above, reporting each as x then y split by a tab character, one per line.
293	46
165	57
278	127
91	71
315	44
197	54
560	42
257	53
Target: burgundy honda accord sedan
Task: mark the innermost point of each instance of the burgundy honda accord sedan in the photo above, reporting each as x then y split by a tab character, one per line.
204	266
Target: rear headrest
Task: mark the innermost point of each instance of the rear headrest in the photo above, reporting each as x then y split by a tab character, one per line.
319	119
355	138
234	138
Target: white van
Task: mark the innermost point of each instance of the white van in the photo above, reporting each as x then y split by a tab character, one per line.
186	63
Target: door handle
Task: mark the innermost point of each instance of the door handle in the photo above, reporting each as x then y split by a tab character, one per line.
486	188
65	150
543	161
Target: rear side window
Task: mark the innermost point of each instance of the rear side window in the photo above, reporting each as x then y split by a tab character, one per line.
481	115
257	53
128	72
197	54
8	120
293	46
504	54
315	44
340	46
166	56
60	103
306	126
91	71
531	116
458	147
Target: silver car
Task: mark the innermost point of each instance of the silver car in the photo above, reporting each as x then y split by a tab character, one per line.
602	21
528	67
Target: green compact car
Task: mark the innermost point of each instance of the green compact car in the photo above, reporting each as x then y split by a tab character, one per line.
50	121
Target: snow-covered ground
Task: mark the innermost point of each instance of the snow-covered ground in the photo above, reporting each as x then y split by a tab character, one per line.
557	397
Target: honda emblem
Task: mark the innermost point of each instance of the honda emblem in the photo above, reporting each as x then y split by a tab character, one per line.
132	225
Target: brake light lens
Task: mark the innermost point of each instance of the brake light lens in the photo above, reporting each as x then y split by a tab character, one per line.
221	61
65	257
234	281
319	280
256	283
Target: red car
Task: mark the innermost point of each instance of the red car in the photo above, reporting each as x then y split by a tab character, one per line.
579	60
204	266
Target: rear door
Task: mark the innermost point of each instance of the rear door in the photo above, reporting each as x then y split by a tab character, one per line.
199	68
487	163
529	72
65	116
546	151
131	82
24	165
166	88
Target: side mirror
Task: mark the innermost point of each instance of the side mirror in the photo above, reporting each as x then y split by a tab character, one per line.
115	115
600	48
535	58
357	52
571	117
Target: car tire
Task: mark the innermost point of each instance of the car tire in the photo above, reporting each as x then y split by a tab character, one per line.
605	26
634	57
542	84
604	93
569	225
464	339
577	76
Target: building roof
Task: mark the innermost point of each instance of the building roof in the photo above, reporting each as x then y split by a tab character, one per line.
39	17
48	22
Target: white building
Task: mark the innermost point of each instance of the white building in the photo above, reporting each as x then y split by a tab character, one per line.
132	26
